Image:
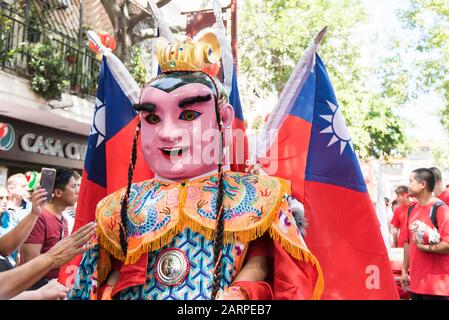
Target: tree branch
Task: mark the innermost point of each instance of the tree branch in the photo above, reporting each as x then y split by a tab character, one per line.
113	10
134	20
143	35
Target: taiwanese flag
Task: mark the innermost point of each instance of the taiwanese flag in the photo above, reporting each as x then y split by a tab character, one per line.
240	139
108	149
315	152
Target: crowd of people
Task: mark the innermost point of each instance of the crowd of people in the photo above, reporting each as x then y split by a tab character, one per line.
420	225
36	239
35	236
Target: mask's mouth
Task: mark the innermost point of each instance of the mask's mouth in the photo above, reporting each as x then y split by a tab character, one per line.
174	152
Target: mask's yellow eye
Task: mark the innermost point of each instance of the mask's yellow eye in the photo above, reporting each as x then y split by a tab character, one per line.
189	115
153	118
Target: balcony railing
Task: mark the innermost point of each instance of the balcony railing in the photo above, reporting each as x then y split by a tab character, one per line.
80	65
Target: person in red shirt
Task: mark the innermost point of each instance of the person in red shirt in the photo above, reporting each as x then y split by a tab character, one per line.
399	221
427	264
440	192
51	226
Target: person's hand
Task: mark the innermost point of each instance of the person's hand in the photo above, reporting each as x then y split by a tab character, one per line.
66	249
419	244
53	290
416	239
232	293
38	199
405	281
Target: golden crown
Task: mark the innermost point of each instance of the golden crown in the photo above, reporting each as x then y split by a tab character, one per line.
189	54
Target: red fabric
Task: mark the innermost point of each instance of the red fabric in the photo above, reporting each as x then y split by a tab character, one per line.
293	279
290	279
132	274
239	146
429	272
90	194
351	251
287	156
259	290
399	221
262	246
67	273
444	196
47	232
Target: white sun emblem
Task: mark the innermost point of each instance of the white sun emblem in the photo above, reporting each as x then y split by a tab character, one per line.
99	125
337	128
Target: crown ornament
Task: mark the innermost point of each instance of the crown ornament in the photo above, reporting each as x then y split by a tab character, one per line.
189	54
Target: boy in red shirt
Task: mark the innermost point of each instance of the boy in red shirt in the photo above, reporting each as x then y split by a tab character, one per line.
399	221
429	263
52	226
440	192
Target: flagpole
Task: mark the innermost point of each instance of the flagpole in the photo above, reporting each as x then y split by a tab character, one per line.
226	53
320	36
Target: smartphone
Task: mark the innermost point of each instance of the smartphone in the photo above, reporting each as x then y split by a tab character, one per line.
47	181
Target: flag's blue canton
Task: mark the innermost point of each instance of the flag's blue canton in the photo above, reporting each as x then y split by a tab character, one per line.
326	163
234	97
95	163
116	110
303	105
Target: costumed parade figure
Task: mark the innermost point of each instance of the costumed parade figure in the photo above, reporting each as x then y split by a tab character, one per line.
197	230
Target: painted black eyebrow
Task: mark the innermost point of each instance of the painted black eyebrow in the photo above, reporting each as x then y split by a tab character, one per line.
148	107
192	100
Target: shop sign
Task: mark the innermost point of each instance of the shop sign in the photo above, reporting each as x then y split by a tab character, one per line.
52	147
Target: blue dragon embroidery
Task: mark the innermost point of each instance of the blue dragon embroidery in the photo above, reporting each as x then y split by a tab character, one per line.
145	204
245	205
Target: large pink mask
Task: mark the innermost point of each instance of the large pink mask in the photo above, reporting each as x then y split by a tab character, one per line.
180	136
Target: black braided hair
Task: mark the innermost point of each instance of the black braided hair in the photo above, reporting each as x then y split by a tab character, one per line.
218	241
124	203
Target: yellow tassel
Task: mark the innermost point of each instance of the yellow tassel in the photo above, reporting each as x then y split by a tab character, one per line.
207	232
104	266
107	244
154	245
319	285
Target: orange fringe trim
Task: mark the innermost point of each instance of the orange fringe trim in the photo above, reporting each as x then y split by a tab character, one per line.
110	246
104	266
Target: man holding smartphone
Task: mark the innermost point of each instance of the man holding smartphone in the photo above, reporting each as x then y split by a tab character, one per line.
51	226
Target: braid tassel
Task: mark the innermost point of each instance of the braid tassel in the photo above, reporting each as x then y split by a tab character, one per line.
124	202
218	242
